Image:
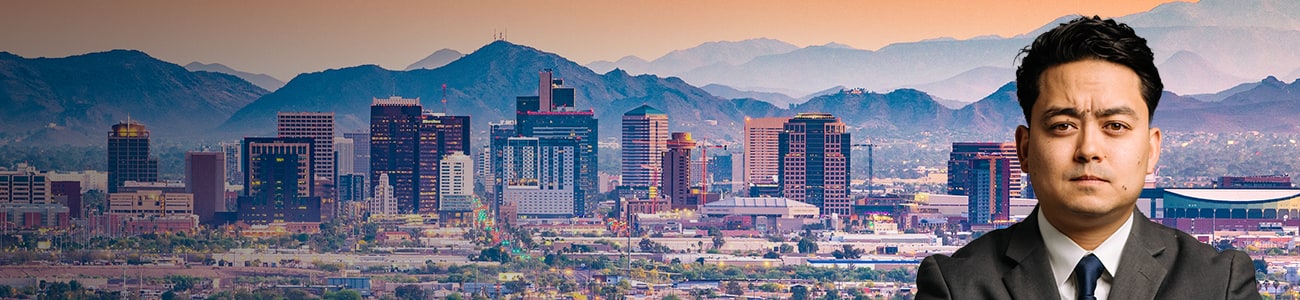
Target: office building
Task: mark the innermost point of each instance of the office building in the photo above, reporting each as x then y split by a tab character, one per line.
814	153
959	164
234	161
67	193
540	177
281	181
394	144
128	155
761	158
456	188
24	186
719	177
352	187
499	133
360	152
318	126
677	172
439	135
989	188
344	154
151	211
645	139
560	118
384	202
205	179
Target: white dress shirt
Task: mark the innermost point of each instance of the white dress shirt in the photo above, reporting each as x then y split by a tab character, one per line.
1064	254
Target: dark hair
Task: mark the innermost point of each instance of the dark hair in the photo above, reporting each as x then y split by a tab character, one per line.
1082	39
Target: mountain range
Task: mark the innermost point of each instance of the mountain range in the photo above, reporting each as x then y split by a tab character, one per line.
263	81
439	58
74	100
1225	41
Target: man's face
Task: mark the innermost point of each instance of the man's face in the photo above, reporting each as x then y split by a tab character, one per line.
1088	146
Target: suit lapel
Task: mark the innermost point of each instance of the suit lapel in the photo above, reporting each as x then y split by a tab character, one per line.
1142	271
1026	280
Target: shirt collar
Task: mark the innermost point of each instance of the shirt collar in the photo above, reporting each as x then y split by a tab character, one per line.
1064	254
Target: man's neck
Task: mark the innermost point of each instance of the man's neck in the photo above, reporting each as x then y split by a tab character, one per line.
1089	231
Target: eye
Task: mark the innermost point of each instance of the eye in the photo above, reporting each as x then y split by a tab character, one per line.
1061	127
1116	126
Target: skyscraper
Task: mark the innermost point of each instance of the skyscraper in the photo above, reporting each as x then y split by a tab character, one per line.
540	176
720	179
360	152
561	119
440	135
205	178
344	152
394	145
960	168
498	133
989	184
128	155
384	202
318	126
281	178
455	187
814	152
761	161
234	161
645	139
677	172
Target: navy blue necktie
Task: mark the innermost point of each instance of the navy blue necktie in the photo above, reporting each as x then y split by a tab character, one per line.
1086	274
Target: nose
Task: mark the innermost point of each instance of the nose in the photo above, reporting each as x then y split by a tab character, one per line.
1089	148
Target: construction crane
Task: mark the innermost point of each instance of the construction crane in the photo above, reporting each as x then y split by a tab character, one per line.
871	164
704	167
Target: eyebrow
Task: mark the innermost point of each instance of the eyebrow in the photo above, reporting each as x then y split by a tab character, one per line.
1075	113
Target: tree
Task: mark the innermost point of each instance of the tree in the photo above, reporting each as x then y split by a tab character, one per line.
807	245
169	295
771	255
848	252
734	288
409	292
799	292
785	248
454	296
342	295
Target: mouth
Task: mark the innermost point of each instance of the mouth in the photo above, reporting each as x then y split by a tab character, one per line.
1088	178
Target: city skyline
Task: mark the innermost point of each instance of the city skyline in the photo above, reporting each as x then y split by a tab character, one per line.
284	39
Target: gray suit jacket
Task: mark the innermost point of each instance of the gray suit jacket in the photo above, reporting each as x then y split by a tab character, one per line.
1158	263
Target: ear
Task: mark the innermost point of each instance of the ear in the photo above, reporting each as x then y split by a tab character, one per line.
1022	142
1154	138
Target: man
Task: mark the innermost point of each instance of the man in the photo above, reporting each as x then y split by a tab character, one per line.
1088	89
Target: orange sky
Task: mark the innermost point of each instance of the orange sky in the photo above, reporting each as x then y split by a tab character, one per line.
284	38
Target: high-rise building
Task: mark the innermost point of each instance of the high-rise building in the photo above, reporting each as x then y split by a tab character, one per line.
205	179
234	161
959	164
720	179
540	176
499	133
814	151
677	172
989	185
456	188
344	152
440	135
360	152
280	179
384	202
645	139
761	160
318	126
560	118
394	145
352	187
128	155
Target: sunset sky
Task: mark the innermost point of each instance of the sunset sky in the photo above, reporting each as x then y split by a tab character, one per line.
284	38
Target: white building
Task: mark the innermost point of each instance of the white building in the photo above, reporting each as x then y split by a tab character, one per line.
456	182
344	150
540	176
384	203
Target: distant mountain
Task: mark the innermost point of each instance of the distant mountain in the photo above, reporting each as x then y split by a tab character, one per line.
626	63
1219	96
830	91
263	81
484	84
1194	74
1219	32
969	86
1277	14
726	92
76	99
437	59
711	53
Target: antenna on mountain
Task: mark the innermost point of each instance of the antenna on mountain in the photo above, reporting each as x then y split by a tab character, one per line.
444	99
